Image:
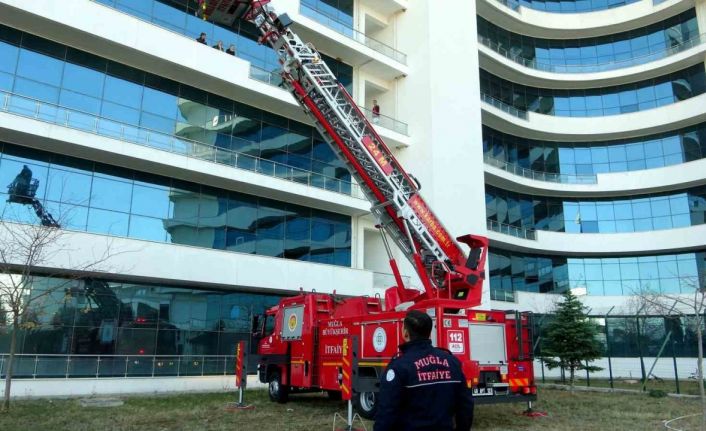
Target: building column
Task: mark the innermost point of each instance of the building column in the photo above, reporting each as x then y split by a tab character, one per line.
440	100
700	6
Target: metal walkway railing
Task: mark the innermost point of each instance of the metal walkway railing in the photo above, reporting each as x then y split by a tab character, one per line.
47	112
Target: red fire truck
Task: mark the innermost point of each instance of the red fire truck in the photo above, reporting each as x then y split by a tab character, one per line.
319	342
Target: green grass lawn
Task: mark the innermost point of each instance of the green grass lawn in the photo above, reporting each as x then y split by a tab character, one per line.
579	411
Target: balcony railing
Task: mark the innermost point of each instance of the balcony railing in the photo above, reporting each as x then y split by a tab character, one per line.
92	123
515	5
515	231
502	295
262	75
273	78
112	366
539	175
592	68
512	4
503	106
352	33
385	121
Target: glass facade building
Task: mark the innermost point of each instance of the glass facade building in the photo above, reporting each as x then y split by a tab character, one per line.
106	328
636	214
649	43
581	158
340	10
182	16
568	6
596	102
56	74
100	198
669	273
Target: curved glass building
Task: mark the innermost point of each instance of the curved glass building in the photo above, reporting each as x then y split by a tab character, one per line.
571	133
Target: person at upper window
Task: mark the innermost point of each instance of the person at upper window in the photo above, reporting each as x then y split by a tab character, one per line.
219	46
202	39
376	112
231	50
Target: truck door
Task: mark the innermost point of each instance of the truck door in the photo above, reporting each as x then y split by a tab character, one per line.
293	330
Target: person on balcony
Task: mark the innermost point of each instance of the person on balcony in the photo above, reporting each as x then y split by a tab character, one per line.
376	112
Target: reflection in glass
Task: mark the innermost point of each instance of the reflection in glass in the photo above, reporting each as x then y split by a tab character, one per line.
667	89
106	199
601	276
595	157
595	216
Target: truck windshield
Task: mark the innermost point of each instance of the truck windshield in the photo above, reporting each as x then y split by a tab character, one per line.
269	324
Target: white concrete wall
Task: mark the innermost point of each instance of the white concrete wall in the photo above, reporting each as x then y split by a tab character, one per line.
140	44
84	387
440	101
548	25
596	305
606	244
550	127
675	177
629	369
56	138
158	262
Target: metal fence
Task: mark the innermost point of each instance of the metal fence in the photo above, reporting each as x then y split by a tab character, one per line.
592	68
352	33
539	175
640	352
29	366
519	232
503	106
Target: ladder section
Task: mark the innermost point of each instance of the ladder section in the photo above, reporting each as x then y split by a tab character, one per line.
397	204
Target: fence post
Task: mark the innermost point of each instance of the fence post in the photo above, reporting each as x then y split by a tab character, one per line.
541	362
639	351
607	347
674	362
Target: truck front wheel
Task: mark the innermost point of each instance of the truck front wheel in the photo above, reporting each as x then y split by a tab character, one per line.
278	392
366	404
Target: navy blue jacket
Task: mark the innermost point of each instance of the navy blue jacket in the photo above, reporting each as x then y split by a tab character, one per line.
423	389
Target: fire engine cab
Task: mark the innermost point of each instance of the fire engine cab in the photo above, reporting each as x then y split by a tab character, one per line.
319	342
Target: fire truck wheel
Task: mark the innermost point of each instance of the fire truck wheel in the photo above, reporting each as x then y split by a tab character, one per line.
365	404
278	392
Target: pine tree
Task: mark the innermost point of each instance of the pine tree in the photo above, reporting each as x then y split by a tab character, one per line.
571	339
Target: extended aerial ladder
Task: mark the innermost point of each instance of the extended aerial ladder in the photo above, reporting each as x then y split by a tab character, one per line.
23	189
444	268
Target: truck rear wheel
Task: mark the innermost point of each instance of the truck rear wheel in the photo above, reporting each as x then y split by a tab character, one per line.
278	392
366	404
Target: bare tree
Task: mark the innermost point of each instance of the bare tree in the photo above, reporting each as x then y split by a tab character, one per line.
690	307
29	250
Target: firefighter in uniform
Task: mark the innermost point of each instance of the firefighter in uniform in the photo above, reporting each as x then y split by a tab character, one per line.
423	387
